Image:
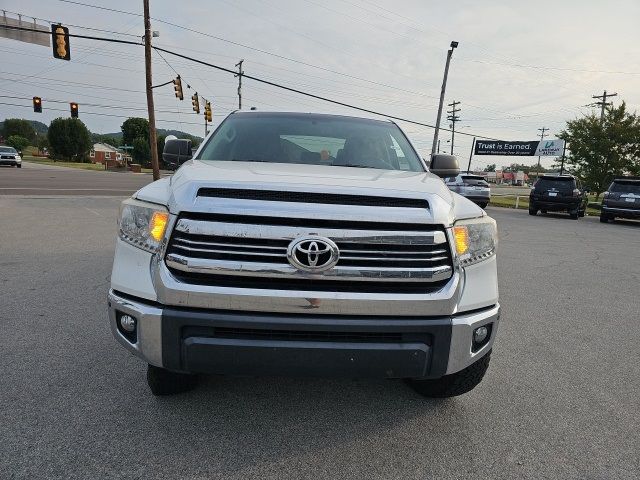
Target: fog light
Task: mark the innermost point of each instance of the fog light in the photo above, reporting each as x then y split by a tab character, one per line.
480	334
128	323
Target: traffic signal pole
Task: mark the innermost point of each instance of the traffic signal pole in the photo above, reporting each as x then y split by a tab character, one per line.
153	143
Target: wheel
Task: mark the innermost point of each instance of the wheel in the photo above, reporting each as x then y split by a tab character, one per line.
483	204
533	211
582	213
573	215
543	211
604	218
455	384
165	382
19	165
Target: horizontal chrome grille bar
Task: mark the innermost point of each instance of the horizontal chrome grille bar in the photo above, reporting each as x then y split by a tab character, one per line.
266	270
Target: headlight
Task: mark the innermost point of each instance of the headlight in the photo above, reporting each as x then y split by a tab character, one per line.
476	239
142	224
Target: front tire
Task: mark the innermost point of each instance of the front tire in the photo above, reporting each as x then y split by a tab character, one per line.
573	215
455	384
483	204
165	382
604	218
533	211
19	165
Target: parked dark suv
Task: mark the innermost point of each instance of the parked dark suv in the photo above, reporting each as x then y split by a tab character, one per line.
622	199
558	193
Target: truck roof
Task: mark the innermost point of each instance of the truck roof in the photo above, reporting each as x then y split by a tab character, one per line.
301	115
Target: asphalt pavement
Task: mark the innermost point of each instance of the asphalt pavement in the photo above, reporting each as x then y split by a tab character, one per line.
561	398
38	179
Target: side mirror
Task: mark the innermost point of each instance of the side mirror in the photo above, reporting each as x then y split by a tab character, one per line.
444	165
176	152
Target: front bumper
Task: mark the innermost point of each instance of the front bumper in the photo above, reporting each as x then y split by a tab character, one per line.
10	162
247	343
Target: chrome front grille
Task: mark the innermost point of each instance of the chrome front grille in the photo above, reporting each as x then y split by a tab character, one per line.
209	250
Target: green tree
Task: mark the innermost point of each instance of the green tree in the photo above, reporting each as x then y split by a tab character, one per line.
490	168
42	143
600	150
133	128
160	143
69	139
141	152
18	142
20	127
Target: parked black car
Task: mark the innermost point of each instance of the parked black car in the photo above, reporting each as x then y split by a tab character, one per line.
622	199
558	193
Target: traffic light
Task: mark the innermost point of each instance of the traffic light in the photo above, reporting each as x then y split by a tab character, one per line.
74	109
60	42
195	102
207	111
177	86
37	104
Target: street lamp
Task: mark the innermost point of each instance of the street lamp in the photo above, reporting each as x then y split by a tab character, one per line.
453	45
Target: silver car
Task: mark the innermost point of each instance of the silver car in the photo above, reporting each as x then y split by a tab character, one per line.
10	156
473	187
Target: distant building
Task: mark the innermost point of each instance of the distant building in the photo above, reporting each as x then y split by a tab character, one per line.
101	152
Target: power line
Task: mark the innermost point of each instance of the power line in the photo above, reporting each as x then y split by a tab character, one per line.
99	114
266	52
261	80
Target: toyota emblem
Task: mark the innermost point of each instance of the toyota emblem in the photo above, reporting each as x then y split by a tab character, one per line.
313	253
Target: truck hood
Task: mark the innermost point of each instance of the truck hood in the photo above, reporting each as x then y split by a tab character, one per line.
180	192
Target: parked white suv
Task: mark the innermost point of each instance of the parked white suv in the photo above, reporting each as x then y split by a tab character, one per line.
304	244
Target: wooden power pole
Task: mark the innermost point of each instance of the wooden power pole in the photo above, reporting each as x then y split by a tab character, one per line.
153	143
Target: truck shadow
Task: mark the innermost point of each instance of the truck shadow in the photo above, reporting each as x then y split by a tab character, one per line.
248	421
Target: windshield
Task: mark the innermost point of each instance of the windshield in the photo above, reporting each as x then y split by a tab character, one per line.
625	187
312	140
8	150
555	183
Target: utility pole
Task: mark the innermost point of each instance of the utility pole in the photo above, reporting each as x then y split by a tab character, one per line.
542	135
153	143
473	145
239	75
453	118
442	91
603	103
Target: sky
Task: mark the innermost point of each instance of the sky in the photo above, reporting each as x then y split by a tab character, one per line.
519	66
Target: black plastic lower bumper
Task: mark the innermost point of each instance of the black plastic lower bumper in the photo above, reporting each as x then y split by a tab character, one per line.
305	345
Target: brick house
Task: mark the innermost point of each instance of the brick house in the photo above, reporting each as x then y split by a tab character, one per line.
101	152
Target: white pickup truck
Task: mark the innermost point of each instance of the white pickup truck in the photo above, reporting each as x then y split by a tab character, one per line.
306	244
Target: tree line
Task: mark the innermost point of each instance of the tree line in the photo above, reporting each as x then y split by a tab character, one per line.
69	139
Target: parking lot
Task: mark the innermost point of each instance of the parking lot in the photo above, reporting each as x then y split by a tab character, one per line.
561	398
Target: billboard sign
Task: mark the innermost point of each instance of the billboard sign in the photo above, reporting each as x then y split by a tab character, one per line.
545	148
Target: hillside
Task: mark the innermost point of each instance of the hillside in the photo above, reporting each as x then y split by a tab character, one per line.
161	132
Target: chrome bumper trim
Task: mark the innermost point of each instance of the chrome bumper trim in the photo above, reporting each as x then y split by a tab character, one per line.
462	327
149	322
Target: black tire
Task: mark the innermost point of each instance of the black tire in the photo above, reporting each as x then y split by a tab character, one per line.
573	215
582	213
604	218
533	211
543	211
19	165
165	382
483	204
455	384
